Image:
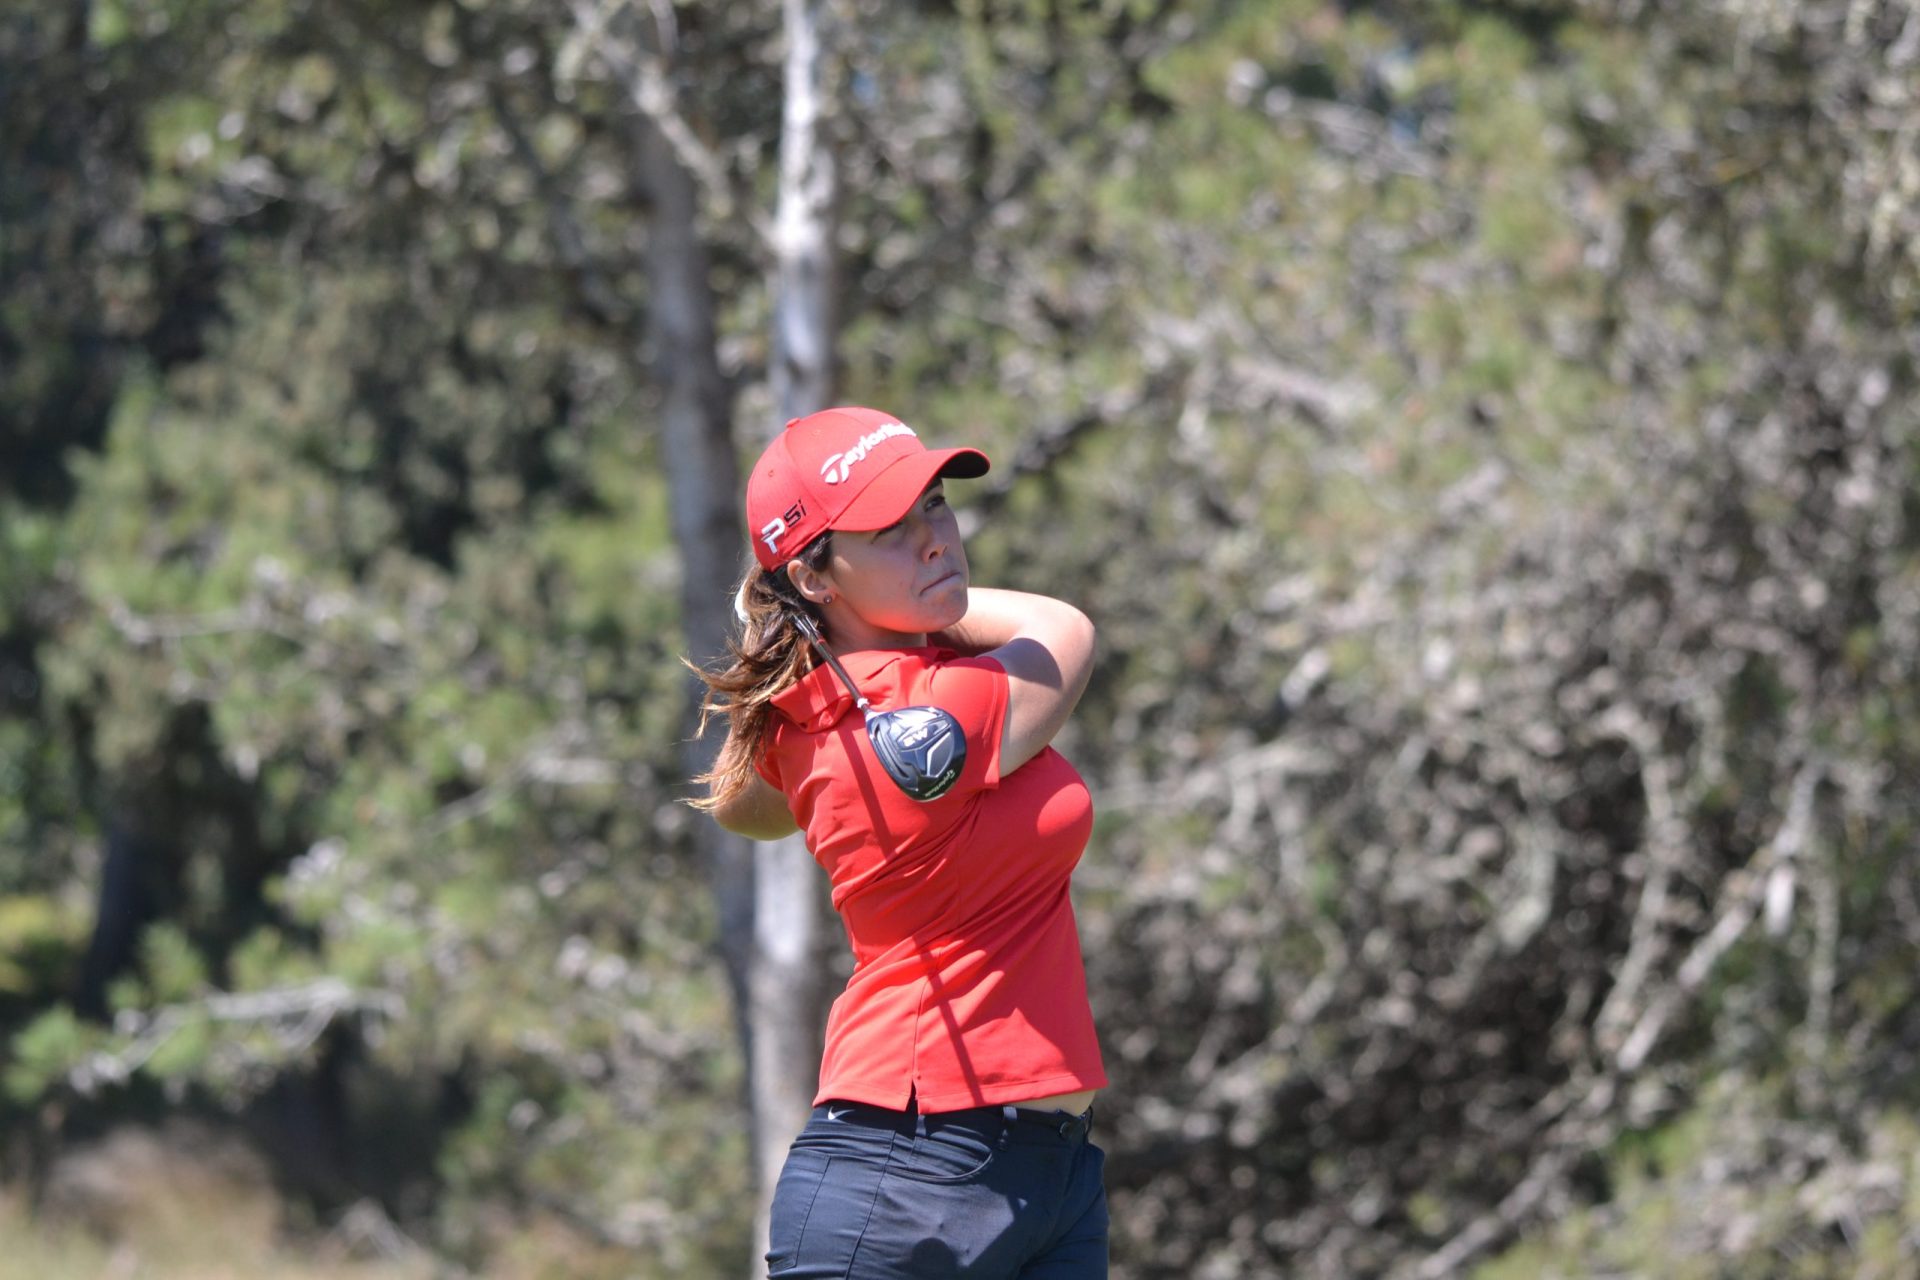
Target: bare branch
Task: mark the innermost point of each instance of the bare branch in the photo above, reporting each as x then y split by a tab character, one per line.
1546	1173
298	1015
366	1228
598	298
543	762
1747	890
1662	849
1261	380
1248	1074
1822	973
602	27
251	616
1042	450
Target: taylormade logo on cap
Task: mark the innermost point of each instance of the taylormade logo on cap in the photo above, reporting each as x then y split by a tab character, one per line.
839	466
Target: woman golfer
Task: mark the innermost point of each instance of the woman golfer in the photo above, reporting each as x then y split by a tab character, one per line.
949	1135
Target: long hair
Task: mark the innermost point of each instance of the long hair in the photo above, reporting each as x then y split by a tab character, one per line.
767	656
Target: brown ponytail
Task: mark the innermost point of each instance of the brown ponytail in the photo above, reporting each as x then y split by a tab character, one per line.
768	656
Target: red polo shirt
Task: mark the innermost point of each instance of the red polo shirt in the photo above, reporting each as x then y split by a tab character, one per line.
968	987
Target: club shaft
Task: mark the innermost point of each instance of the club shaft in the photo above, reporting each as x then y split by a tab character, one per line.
812	632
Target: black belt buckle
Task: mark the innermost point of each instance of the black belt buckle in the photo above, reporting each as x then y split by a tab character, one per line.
1070	1127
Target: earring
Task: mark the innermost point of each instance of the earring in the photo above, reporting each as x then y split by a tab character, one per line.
829	599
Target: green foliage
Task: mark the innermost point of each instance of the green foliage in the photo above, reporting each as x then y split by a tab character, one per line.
184	1054
39	938
174	969
1730	1190
41	1053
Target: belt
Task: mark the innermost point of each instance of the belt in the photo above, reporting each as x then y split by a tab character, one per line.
867	1116
1067	1125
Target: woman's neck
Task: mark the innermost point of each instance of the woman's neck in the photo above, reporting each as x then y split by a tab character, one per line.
854	637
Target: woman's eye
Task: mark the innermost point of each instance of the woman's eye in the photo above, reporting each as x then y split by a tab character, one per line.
932	502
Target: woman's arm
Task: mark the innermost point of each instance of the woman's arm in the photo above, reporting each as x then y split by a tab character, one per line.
759	812
1046	647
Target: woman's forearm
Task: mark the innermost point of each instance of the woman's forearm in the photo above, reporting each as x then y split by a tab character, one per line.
1046	648
996	616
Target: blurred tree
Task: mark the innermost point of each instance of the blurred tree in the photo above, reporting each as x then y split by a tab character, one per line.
788	997
1484	432
374	554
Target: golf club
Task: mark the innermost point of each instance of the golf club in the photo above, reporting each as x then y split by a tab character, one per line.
922	748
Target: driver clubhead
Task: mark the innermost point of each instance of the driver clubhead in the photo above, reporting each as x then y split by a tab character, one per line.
922	749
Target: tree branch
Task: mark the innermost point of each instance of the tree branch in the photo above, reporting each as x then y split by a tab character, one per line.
599	300
642	75
298	1014
1042	450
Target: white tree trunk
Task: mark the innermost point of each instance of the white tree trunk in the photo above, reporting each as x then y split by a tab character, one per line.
788	974
805	326
770	897
703	484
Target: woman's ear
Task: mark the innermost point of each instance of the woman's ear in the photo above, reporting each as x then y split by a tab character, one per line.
809	582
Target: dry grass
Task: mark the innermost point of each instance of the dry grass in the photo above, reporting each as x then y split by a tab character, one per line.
186	1202
186	1243
172	1206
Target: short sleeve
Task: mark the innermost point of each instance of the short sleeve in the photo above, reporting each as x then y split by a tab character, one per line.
763	763
974	692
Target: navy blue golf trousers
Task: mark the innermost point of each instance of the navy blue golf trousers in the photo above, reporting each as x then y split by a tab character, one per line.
989	1194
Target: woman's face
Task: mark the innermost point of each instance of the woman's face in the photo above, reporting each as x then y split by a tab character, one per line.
892	586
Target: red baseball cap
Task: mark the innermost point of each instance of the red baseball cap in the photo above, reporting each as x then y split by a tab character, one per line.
846	468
